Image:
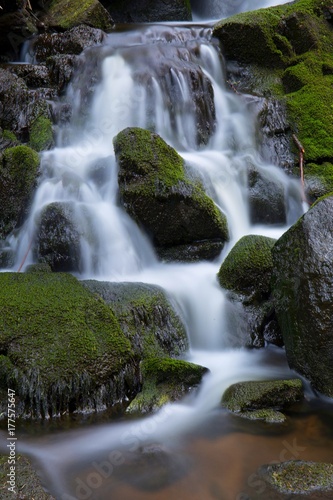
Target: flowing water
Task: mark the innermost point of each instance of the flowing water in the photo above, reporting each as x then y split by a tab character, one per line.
142	77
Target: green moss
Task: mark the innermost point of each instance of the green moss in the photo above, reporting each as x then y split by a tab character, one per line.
165	380
256	395
56	332
69	13
7	134
41	134
267	414
248	266
297	476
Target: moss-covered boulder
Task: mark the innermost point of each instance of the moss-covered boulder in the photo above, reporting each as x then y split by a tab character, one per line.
248	266
164	381
158	194
146	316
295	41
62	348
303	288
262	395
18	177
143	11
297	479
58	238
62	14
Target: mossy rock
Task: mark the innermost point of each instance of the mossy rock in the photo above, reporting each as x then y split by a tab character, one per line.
146	316
257	395
156	191
268	415
165	380
65	14
19	167
318	180
41	134
62	349
27	485
248	266
313	480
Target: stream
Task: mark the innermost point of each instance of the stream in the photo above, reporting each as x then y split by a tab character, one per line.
192	449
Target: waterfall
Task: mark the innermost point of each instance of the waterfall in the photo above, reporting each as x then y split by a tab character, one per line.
145	81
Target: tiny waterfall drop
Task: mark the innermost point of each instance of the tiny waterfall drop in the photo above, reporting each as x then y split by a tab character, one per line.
169	80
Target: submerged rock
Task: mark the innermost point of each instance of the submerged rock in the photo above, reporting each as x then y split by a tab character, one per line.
299	478
303	288
19	168
157	193
62	349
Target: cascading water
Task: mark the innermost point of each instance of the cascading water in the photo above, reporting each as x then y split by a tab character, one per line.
146	79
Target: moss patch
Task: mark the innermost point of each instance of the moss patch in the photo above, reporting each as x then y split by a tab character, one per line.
59	343
69	13
248	266
41	134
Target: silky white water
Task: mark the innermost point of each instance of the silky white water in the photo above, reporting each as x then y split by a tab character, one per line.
142	73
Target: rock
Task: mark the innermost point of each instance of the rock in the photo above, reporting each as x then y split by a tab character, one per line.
16	26
26	480
19	168
302	289
41	134
146	317
61	68
266	198
257	395
193	252
298	479
143	11
62	350
71	42
247	269
58	238
20	106
268	415
34	75
164	381
156	192
64	15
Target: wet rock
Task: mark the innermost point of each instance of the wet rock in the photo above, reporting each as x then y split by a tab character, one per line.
268	415
141	11
257	395
64	15
61	68
33	75
18	178
71	42
62	350
146	317
20	106
248	267
58	238
156	192
165	381
16	26
266	198
299	479
41	134
302	288
194	252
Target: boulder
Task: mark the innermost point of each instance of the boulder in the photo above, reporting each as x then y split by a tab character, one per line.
62	349
302	289
247	269
63	15
146	316
263	394
148	11
157	193
165	381
58	238
73	42
266	197
19	168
